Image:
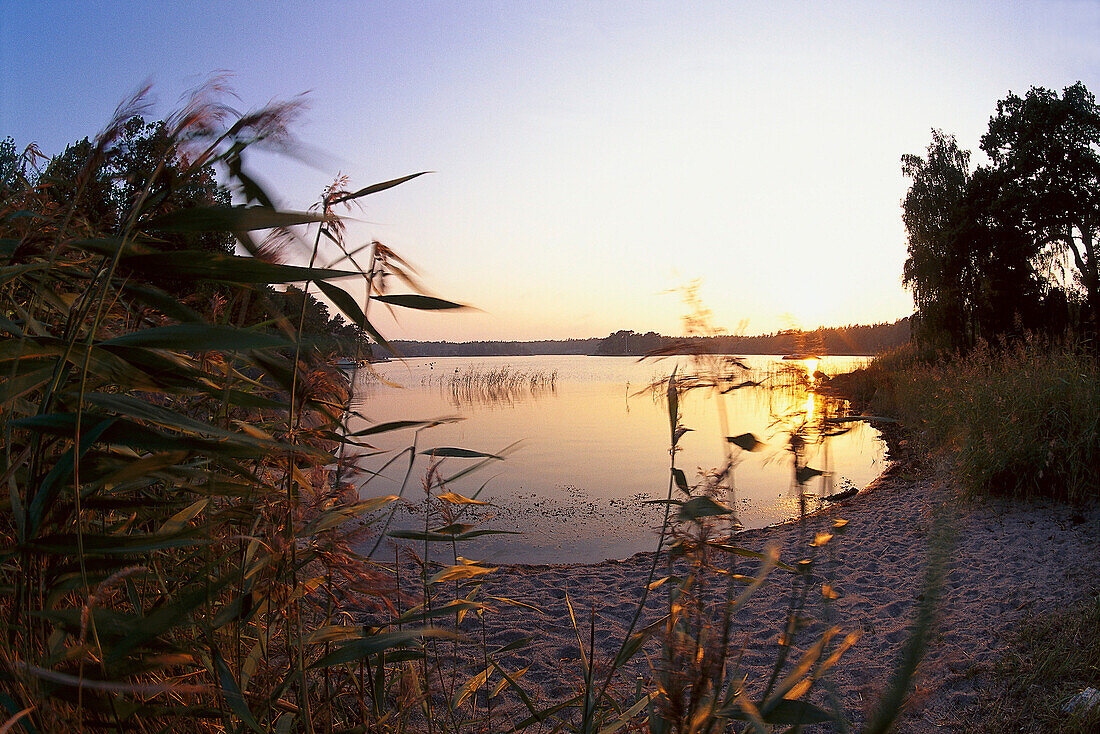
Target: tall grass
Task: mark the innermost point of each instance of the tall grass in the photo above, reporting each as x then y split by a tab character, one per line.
494	385
1020	419
178	507
175	515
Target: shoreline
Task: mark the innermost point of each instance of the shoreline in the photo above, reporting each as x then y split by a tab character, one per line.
1010	560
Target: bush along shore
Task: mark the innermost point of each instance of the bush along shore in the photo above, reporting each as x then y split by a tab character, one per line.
1021	419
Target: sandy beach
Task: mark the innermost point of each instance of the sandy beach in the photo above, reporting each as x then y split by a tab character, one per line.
1009	560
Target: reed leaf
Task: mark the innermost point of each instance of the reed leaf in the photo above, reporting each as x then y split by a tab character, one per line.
746	442
231	693
197	337
458	453
194	265
375	188
418	302
381	642
229	219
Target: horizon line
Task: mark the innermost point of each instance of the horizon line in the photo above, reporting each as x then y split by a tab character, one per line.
666	336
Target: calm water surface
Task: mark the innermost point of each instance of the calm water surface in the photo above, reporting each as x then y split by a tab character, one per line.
593	447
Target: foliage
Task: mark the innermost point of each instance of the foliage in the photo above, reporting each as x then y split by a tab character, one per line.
328	332
986	247
1022	419
939	273
176	507
973	275
143	161
873	386
1045	150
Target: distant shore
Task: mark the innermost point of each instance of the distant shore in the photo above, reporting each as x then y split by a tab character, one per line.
852	340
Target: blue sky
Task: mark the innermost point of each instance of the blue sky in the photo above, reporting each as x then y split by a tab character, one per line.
588	158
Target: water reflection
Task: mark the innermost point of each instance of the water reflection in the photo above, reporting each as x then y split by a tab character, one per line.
595	445
804	420
492	386
811	419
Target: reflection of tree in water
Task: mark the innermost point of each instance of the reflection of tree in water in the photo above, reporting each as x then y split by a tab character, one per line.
494	386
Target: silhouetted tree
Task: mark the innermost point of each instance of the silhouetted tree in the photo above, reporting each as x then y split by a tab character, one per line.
940	270
12	170
145	161
90	205
1046	151
1008	293
145	167
982	244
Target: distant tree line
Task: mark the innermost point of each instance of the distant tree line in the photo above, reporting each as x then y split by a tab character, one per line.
1010	246
405	348
856	339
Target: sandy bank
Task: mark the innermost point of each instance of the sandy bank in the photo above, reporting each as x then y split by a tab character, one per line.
1009	560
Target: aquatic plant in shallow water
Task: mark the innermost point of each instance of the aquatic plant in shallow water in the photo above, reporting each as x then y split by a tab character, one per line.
480	385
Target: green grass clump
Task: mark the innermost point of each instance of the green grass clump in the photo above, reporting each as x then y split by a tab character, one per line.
1054	657
1021	420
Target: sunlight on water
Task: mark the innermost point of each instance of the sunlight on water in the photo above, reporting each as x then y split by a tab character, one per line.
594	446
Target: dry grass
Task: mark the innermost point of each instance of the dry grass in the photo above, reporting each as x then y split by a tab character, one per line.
1053	658
1020	420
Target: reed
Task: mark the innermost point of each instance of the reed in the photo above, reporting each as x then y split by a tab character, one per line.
493	385
176	538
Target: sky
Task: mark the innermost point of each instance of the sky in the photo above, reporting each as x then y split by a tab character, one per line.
589	159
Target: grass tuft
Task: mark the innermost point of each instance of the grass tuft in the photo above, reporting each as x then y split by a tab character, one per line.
1021	420
1053	658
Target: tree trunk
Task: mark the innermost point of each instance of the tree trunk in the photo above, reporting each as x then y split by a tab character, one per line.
1092	285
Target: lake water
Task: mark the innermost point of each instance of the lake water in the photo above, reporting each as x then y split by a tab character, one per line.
594	447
